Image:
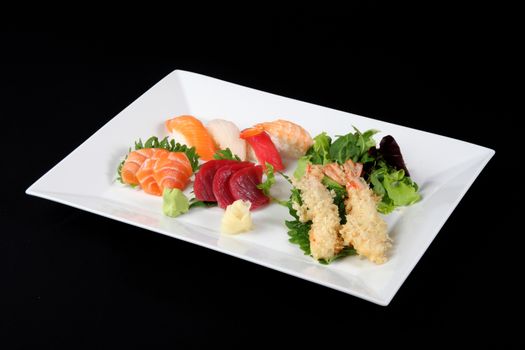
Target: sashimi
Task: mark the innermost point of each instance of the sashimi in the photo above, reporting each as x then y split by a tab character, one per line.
226	135
146	178
189	130
158	153
132	165
173	170
264	149
221	179
243	185
203	186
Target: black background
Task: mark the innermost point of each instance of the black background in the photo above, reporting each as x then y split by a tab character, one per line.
73	279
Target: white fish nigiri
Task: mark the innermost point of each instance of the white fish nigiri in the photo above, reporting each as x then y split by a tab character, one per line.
226	135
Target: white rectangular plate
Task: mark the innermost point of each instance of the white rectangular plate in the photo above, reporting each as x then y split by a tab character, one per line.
443	167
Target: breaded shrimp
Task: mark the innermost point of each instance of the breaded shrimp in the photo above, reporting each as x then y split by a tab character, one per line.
365	229
318	206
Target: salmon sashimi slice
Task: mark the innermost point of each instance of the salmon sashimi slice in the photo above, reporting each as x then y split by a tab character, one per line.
190	131
291	140
159	153
133	163
173	170
146	178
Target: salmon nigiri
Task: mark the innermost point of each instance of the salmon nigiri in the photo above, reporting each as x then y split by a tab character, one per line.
190	131
172	170
133	163
291	140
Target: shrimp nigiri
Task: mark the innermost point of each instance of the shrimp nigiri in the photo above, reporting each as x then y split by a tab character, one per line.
189	130
226	135
291	140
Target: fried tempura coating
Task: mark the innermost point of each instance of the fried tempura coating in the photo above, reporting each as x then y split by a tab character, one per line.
365	229
318	206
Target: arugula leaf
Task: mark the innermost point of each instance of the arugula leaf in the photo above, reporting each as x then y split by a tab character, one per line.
226	154
353	146
394	187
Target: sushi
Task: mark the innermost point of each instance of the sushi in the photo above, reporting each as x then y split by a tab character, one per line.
226	135
291	140
263	147
188	130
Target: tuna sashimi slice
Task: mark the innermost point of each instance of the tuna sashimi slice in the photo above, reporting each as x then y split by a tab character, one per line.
243	185
221	189
203	186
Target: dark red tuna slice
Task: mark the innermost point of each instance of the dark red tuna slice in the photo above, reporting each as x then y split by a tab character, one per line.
203	186
243	185
221	190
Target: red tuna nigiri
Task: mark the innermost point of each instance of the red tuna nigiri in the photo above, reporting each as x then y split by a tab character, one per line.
264	149
221	189
243	185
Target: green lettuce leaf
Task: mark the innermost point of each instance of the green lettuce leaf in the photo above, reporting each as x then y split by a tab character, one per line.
302	163
394	187
319	153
